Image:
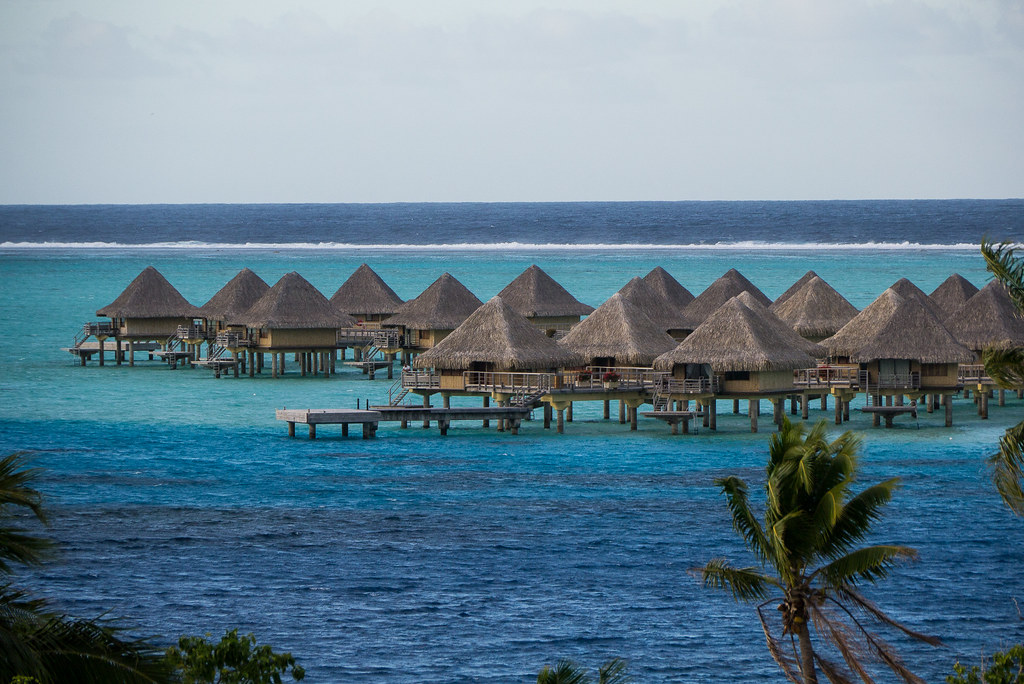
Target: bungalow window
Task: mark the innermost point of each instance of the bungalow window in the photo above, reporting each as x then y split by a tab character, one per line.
934	370
737	375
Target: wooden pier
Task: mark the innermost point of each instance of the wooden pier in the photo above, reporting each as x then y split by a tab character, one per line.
370	418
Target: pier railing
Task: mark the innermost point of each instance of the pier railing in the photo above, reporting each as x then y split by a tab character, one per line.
623	377
99	328
486	381
383	338
899	381
828	377
973	373
671	386
413	379
193	332
232	340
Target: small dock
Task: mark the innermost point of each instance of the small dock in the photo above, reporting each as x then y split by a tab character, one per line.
675	419
889	412
370	418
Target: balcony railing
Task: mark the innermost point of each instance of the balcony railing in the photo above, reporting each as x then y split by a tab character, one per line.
898	381
828	377
420	379
193	332
673	386
233	340
384	338
485	381
99	328
973	373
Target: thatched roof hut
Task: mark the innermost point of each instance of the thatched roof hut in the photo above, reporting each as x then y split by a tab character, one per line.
668	287
908	290
442	306
988	320
535	294
620	331
895	327
366	294
498	337
794	288
736	338
952	293
815	311
235	298
805	345
149	296
718	293
658	309
293	304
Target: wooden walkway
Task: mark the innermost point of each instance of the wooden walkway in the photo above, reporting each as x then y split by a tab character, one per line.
370	418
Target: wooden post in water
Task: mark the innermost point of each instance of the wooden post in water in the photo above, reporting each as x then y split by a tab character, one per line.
426	405
839	409
632	418
560	424
804	407
101	341
312	430
983	405
131	353
607	409
568	413
947	399
291	428
547	416
273	365
824	402
713	409
735	406
778	412
622	412
792	405
1002	397
752	405
487	402
117	350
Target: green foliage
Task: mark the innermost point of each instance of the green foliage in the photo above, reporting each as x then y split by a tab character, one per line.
808	550
17	547
1006	668
1006	367
568	672
233	660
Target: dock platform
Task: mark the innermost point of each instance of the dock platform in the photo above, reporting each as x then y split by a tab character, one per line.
889	412
675	419
370	418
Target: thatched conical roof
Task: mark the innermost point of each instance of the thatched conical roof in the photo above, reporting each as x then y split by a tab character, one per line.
988	320
736	338
669	288
149	296
235	298
718	293
794	288
816	310
442	306
497	334
908	290
654	306
293	303
619	329
534	293
365	292
895	327
952	293
791	336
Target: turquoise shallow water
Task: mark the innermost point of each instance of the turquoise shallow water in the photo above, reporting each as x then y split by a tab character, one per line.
180	502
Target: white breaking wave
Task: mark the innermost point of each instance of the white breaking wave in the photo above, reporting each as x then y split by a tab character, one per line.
742	245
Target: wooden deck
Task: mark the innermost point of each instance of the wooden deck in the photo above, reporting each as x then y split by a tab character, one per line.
370	418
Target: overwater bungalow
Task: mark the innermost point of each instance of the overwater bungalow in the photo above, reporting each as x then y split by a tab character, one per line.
293	316
149	310
367	298
668	287
663	313
901	349
426	320
736	353
618	334
952	293
230	302
815	311
544	302
718	293
988	320
908	290
795	287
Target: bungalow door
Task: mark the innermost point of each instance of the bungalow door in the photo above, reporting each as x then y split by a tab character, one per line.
894	373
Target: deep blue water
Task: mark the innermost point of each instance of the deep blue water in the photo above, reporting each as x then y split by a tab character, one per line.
180	503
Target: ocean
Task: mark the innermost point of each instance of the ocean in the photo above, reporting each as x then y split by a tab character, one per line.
181	505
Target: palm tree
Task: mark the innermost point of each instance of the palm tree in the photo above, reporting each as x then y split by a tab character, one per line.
812	524
37	642
1006	367
568	672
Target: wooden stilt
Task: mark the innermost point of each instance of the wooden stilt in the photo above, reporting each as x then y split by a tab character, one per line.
824	402
547	416
312	430
291	428
779	411
752	410
560	423
632	418
983	404
707	414
131	353
804	404
947	400
446	400
344	429
607	409
487	402
622	412
101	340
839	410
713	409
273	367
846	409
117	351
426	404
1002	397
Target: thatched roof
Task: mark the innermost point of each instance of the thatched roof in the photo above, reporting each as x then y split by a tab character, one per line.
792	337
952	293
988	320
620	330
365	292
654	306
736	338
293	303
669	288
235	298
794	288
816	310
534	293
149	296
497	334
895	327
908	290
442	306
717	294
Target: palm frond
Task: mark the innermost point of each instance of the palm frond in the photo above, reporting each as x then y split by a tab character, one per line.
857	599
845	641
564	672
1005	366
746	584
1002	261
853	522
614	672
743	519
786	662
15	480
831	670
1008	468
870	563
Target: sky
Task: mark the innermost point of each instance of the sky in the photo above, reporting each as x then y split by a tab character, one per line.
140	101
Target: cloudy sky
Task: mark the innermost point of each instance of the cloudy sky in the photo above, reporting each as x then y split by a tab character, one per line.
460	100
